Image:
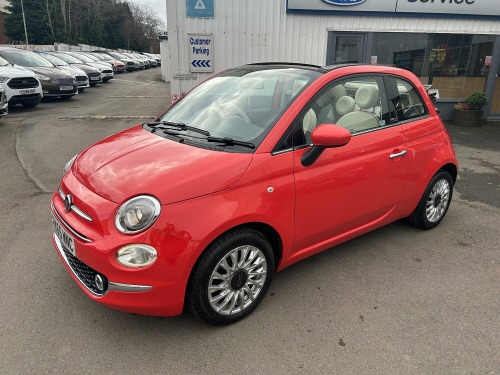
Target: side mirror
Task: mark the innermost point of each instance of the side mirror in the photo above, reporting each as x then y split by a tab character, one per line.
325	136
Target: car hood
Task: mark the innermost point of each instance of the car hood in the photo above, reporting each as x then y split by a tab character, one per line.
50	72
72	70
136	162
14	72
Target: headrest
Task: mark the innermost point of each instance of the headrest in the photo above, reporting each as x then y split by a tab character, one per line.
345	105
310	121
338	91
367	96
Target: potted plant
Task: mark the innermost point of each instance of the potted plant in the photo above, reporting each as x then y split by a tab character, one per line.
470	113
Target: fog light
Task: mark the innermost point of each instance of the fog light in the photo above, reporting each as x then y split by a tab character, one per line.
136	255
101	282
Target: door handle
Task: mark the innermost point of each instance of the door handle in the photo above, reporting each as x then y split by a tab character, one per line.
394	156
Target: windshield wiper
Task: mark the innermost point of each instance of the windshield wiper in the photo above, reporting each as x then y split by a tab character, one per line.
177	125
230	142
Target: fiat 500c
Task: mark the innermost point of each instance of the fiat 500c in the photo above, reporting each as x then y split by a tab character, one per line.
253	170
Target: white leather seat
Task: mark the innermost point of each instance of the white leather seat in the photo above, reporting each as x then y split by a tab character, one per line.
358	121
309	123
344	105
367	96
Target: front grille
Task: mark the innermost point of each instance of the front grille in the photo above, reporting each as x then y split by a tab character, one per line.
130	63
64	81
22	83
94	74
84	272
107	71
81	78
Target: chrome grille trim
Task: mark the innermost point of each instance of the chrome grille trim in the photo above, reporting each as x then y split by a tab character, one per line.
119	287
75	208
78	235
61	251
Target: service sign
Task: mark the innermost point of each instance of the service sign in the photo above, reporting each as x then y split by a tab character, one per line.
414	8
201	53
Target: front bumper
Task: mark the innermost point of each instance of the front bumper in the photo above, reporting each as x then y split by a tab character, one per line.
155	290
50	89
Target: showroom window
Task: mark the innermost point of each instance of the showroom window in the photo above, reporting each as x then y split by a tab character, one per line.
454	64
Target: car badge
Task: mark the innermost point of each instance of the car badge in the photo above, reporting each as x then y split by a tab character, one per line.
344	2
68	202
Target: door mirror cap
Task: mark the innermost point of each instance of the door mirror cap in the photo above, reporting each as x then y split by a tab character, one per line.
329	135
325	136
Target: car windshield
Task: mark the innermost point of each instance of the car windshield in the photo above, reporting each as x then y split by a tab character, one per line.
3	62
97	56
83	58
54	60
117	55
67	58
28	59
242	103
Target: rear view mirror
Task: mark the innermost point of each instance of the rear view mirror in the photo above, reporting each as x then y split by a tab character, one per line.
325	136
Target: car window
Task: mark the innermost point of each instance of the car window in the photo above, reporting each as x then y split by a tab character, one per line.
407	102
242	104
27	59
357	103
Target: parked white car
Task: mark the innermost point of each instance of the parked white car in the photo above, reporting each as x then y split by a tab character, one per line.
20	85
4	105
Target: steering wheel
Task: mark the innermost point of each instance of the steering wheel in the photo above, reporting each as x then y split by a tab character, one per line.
220	109
414	110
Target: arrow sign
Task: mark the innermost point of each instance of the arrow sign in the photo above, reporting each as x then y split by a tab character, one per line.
201	63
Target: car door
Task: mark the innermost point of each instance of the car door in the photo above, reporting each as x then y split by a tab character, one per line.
353	186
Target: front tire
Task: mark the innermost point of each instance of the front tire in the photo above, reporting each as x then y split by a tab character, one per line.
434	202
232	277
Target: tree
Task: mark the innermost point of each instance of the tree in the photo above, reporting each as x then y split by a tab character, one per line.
106	23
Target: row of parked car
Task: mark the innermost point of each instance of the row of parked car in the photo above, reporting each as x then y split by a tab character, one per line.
26	77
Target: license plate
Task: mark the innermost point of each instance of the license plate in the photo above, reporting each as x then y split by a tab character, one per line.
94	78
65	88
66	239
26	92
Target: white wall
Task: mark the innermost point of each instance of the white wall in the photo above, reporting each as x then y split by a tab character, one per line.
247	31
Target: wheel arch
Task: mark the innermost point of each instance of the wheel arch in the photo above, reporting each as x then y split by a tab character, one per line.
267	230
452	170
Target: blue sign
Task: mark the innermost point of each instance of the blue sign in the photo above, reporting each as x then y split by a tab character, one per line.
344	2
200	8
201	63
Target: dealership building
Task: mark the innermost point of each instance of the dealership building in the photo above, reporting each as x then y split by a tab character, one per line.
452	44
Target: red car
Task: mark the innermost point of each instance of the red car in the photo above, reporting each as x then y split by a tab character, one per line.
244	176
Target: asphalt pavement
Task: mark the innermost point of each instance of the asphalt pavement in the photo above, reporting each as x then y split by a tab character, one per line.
394	301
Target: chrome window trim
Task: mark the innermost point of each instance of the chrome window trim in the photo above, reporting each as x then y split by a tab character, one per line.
78	235
75	208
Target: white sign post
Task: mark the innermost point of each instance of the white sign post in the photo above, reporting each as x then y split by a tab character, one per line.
201	53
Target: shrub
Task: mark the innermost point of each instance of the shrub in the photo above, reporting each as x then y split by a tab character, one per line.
476	101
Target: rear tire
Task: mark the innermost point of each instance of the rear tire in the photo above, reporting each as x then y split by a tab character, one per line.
231	277
434	203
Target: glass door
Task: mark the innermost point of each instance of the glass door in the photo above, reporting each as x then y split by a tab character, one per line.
345	48
495	104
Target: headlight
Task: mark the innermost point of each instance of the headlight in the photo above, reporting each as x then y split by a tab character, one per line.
69	164
3	79
42	77
136	256
137	214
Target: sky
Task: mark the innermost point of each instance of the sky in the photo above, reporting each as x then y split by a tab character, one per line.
159	6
